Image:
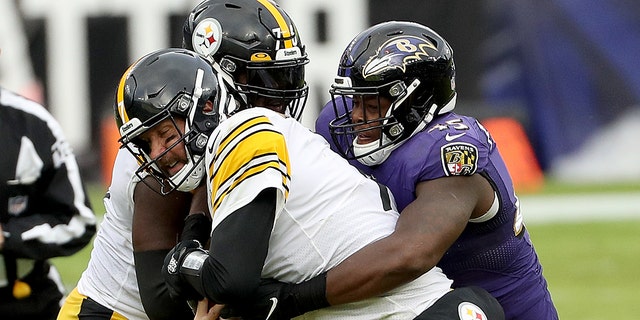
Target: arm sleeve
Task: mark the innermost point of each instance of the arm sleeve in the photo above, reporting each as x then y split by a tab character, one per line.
239	247
155	298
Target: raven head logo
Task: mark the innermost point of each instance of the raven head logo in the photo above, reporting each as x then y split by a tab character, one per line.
397	53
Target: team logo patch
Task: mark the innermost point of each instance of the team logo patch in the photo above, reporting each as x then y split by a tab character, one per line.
207	37
469	311
17	205
459	159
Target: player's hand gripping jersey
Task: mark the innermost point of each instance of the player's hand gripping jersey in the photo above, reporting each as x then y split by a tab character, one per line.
326	209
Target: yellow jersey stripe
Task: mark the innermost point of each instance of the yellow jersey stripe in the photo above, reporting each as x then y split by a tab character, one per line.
243	128
249	149
249	172
282	23
120	96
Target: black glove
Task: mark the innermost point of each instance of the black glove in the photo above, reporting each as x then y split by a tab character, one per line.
196	226
275	300
178	287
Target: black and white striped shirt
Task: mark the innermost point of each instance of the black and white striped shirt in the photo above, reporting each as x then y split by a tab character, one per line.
44	209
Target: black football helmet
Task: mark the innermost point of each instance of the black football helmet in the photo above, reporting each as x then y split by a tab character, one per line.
257	44
405	62
162	85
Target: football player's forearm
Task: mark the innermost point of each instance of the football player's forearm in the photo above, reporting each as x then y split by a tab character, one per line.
419	241
373	270
155	298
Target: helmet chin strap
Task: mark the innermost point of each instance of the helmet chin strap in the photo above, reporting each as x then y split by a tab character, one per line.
190	175
373	157
236	101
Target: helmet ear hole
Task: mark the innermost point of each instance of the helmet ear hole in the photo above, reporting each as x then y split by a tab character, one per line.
422	101
228	65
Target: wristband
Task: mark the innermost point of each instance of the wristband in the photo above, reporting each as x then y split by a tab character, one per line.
311	294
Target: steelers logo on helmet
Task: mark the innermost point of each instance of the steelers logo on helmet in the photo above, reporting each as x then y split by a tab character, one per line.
207	37
469	311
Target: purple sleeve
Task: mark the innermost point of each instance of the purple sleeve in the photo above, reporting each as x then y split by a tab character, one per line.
458	146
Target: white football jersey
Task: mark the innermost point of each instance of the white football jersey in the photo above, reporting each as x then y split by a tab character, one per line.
326	211
110	276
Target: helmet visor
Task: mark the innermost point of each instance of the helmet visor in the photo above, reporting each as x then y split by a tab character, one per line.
277	85
280	88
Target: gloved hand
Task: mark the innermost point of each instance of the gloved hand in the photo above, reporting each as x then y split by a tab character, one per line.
197	226
273	301
276	300
179	288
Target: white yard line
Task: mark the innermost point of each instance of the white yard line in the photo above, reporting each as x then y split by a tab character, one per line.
588	207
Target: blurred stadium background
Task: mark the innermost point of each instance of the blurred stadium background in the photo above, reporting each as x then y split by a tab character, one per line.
557	82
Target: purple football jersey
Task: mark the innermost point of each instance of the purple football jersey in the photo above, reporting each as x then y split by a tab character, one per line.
496	255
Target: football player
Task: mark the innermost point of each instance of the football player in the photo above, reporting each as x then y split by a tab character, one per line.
284	206
257	46
140	226
143	221
392	116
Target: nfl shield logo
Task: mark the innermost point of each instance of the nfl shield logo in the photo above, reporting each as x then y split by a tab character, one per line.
17	205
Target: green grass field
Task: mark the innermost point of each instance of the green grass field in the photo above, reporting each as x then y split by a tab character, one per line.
592	267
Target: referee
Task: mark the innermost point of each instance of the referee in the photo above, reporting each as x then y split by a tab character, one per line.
44	210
